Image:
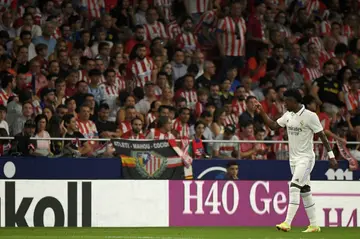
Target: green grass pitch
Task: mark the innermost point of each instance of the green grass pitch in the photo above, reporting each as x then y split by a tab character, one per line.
176	233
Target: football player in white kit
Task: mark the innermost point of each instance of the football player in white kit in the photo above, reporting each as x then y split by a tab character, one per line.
301	125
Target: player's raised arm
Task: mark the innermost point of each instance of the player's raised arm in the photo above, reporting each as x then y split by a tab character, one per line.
267	120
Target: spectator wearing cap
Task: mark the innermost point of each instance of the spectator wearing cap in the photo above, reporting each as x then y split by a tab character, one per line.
232	171
6	24
289	77
143	106
22	143
27	113
3	123
95	79
227	150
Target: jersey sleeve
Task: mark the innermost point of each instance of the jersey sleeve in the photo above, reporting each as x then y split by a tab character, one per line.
314	123
282	121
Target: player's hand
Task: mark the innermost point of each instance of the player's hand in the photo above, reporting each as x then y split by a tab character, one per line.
333	163
258	107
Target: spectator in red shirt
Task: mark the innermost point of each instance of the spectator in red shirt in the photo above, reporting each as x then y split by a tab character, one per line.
136	130
138	38
269	102
256	24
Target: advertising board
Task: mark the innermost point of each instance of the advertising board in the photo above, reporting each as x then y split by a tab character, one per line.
160	203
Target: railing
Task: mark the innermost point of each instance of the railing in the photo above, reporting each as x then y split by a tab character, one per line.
205	141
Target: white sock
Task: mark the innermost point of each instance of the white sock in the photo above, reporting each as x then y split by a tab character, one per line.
309	205
294	201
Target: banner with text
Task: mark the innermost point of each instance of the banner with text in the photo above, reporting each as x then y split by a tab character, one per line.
258	203
149	159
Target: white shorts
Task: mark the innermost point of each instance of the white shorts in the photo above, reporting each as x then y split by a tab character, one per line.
301	170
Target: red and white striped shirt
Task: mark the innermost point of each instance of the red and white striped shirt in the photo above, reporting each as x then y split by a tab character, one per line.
87	128
36	16
231	119
281	150
233	36
318	43
209	19
4	97
173	29
140	71
325	28
130	135
57	33
155	30
199	108
183	129
94	7
120	82
352	100
314	6
187	41
150	117
310	74
83	76
189	95
109	94
238	107
156	134
198	6
125	126
165	6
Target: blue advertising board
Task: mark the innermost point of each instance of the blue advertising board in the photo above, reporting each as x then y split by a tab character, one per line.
60	168
103	168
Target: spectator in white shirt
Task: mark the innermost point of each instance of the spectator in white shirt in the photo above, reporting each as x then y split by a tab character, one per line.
29	24
6	25
25	37
140	15
143	106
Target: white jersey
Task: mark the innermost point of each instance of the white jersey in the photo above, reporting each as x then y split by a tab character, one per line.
301	127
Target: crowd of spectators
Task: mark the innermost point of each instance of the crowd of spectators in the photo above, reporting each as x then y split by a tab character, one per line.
174	69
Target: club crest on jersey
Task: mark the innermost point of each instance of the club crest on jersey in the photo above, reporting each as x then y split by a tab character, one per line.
302	123
149	164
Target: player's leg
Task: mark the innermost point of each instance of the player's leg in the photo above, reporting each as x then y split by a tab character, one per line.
309	205
300	177
285	226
